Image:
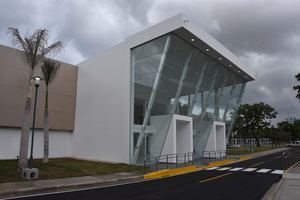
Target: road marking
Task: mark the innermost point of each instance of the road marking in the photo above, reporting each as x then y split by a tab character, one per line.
278	157
224	168
249	169
212	168
236	169
263	170
277	172
216	177
256	164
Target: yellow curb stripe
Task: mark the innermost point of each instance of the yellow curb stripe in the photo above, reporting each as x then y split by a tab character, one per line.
175	171
216	177
170	172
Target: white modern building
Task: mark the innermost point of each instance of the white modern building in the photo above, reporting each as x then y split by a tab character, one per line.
169	89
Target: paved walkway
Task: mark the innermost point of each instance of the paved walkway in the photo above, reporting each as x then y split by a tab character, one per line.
39	186
288	188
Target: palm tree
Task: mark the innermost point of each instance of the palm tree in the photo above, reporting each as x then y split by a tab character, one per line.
49	69
33	50
297	87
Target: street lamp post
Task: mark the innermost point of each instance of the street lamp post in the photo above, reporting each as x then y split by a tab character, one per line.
37	80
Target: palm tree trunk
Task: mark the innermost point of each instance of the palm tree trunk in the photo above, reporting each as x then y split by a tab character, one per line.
46	130
23	154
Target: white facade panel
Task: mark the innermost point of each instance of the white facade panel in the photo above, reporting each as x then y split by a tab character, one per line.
179	138
102	109
216	143
59	143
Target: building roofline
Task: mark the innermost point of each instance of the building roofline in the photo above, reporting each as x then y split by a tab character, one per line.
185	29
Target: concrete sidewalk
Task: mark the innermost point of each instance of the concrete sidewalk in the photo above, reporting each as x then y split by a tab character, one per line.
288	187
263	153
15	189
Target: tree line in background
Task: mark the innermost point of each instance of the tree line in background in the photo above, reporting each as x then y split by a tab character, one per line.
35	52
254	121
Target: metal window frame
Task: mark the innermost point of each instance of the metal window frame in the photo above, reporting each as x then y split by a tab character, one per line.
235	110
152	98
199	82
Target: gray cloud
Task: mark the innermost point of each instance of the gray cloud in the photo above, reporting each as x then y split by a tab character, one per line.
266	36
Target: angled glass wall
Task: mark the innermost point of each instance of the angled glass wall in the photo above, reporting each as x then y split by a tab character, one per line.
169	76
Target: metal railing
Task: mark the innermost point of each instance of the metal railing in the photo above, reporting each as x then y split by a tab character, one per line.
214	154
208	156
169	160
291	159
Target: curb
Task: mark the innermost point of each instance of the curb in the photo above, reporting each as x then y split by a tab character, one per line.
66	187
179	171
184	170
264	153
273	191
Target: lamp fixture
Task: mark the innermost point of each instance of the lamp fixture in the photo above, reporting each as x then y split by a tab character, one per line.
37	80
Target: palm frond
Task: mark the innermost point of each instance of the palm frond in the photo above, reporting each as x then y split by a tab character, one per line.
41	40
34	47
17	40
53	48
50	69
29	53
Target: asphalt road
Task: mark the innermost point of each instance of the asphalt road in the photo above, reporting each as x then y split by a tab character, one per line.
235	181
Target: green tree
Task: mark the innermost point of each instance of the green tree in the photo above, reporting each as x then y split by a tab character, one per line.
297	87
291	126
33	50
255	118
49	69
277	135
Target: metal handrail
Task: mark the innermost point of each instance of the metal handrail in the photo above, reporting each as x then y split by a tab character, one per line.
187	158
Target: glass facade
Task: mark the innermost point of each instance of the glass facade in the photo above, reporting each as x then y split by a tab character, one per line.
170	76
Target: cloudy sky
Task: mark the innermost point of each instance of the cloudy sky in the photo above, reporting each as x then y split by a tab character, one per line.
265	34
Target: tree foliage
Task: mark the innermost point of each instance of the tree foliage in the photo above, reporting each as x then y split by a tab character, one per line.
33	48
297	87
291	126
254	118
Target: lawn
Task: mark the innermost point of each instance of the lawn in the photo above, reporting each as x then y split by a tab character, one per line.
247	150
62	168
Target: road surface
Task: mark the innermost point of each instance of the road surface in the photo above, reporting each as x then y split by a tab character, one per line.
245	180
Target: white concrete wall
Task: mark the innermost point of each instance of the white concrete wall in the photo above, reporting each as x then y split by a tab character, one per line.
59	143
183	137
220	138
179	138
216	141
102	107
211	142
